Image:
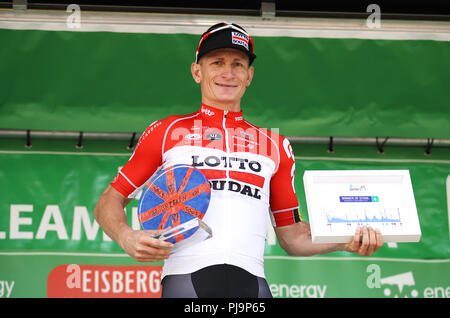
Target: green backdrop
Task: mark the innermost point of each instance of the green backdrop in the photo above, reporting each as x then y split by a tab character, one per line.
100	81
105	81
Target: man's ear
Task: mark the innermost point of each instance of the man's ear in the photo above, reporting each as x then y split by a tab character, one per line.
251	71
196	74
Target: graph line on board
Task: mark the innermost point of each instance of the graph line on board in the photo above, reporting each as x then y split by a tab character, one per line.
366	219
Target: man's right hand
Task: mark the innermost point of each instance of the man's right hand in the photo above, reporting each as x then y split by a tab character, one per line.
143	247
139	244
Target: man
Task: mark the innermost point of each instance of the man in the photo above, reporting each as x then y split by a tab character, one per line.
251	172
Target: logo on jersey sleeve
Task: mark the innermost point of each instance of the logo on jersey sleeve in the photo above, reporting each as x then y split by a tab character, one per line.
290	154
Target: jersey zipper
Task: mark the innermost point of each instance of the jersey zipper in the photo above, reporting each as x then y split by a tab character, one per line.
227	147
227	242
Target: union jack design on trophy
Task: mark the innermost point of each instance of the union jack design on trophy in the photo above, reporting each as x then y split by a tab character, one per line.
174	196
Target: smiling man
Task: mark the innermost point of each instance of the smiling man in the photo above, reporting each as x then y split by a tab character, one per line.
251	172
224	74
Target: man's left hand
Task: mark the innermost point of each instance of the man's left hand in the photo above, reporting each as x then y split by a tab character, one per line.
366	241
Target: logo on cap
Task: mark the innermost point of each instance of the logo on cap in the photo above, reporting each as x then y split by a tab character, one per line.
239	39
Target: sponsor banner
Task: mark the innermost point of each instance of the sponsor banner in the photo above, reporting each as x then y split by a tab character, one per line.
104	281
47	224
35	273
336	277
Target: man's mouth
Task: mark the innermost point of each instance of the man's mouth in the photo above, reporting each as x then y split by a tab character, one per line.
225	85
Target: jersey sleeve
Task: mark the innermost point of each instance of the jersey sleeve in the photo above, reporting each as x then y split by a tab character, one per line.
283	200
143	163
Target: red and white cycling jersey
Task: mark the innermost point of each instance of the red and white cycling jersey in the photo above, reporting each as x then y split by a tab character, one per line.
251	172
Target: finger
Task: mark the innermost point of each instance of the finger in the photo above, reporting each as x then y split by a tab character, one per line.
149	240
365	241
372	241
157	232
145	257
379	239
356	238
160	243
353	245
149	259
150	249
154	247
145	253
164	244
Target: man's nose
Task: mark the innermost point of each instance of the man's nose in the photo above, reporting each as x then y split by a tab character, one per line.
227	71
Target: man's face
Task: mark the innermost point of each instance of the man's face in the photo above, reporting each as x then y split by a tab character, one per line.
224	75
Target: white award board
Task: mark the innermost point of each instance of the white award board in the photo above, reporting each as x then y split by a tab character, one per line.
341	200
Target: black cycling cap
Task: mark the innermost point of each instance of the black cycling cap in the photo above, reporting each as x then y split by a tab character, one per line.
225	35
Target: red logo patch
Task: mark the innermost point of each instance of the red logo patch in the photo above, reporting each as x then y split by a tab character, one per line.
97	281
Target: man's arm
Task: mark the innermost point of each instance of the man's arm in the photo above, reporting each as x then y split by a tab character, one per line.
295	239
109	213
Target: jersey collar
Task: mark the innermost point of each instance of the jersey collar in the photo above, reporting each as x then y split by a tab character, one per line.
212	113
